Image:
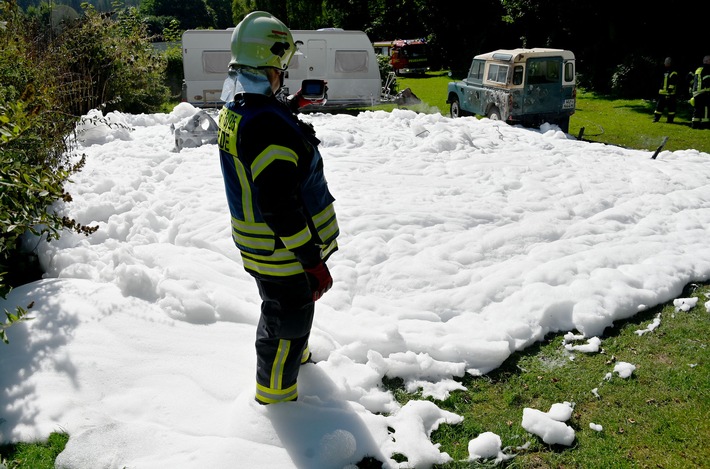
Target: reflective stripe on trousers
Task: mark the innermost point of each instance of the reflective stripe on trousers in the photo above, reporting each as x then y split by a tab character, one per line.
282	336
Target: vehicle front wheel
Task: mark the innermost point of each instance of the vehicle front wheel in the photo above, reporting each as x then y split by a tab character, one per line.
456	108
493	114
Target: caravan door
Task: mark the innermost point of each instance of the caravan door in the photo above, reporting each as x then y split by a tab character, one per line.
307	63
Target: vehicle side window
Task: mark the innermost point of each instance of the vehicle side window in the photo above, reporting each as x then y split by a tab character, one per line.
518	75
569	71
498	73
543	71
476	72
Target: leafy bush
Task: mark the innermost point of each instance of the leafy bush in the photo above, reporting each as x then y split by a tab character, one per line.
636	77
383	62
52	75
111	63
32	149
33	125
174	74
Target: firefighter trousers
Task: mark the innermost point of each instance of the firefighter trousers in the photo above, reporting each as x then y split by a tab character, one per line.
665	102
282	336
701	108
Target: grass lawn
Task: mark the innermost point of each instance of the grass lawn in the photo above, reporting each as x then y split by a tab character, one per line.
657	418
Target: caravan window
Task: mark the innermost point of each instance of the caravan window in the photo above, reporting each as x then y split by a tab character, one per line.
350	61
216	61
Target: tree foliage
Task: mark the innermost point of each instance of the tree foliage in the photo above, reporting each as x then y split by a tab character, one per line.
111	63
620	46
191	14
32	161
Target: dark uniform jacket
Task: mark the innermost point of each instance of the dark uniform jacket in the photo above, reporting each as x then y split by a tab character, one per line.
281	209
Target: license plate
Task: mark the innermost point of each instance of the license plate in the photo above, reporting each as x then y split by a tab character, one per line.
568	104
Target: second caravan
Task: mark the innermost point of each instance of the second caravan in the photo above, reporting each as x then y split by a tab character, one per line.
343	58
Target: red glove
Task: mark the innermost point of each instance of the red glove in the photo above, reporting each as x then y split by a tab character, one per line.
319	279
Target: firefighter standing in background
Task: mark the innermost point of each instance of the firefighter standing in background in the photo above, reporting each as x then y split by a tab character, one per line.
283	220
667	93
701	95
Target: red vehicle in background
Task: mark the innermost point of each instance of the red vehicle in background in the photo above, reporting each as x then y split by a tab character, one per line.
407	56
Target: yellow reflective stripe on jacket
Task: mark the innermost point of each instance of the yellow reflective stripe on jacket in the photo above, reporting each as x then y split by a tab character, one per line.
269	155
250	242
668	89
297	240
327	250
700	81
281	263
326	223
255	228
247	206
325	215
330	230
253	235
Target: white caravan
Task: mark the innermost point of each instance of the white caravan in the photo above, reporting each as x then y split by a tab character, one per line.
343	58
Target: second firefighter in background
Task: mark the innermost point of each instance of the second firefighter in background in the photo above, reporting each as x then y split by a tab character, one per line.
667	98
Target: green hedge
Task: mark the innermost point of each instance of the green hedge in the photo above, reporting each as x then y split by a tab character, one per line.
52	75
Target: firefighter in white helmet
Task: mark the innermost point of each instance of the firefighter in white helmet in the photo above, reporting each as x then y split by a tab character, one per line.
282	215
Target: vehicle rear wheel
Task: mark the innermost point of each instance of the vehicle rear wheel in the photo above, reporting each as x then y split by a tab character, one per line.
493	114
456	108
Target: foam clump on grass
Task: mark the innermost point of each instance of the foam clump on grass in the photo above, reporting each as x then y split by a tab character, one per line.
651	327
592	346
550	425
685	304
624	369
486	445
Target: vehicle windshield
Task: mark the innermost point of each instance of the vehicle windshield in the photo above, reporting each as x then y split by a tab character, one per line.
414	50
